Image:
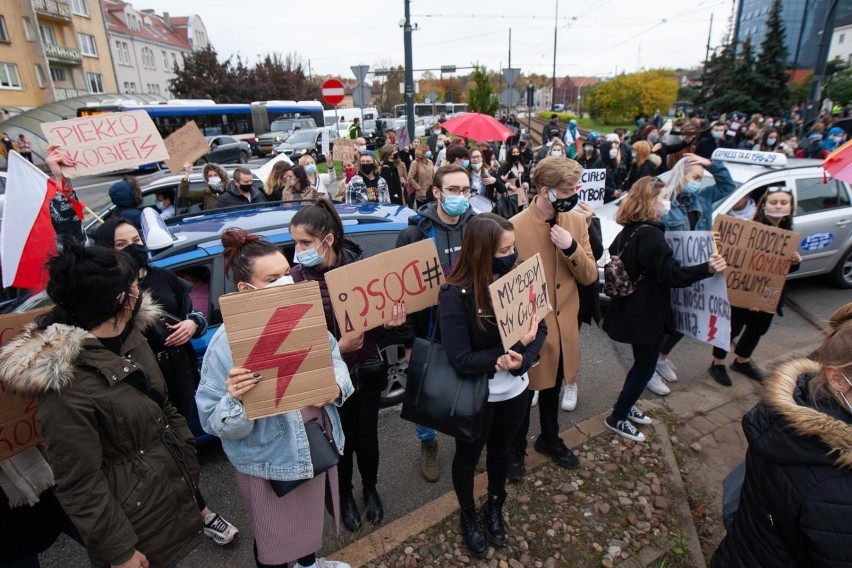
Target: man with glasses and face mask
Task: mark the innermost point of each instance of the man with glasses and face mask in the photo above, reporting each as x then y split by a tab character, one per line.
444	221
551	227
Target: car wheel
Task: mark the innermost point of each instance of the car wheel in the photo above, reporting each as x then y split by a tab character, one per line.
394	392
200	161
842	273
243	157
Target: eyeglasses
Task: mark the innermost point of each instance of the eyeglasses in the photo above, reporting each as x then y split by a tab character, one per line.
778	188
289	177
456	191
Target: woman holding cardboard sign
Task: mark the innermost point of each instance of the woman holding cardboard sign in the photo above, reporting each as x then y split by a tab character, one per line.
270	452
321	246
775	209
471	338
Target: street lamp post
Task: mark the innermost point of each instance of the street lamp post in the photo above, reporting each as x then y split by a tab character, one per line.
409	74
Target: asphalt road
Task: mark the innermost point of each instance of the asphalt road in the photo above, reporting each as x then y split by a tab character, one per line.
604	365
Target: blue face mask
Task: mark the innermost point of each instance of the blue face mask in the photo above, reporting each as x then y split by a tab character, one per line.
428	153
455	205
311	169
310	257
503	264
692	187
465	163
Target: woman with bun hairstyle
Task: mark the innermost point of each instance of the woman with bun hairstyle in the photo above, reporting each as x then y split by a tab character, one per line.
123	457
795	499
321	246
287	528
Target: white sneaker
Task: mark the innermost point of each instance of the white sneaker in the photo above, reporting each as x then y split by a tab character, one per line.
666	368
535	398
658	386
569	397
218	529
325	563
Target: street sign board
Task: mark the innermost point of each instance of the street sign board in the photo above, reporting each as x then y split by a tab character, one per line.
360	72
361	96
332	92
511	75
509	97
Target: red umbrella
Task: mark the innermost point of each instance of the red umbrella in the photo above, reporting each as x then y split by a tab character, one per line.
477	126
839	163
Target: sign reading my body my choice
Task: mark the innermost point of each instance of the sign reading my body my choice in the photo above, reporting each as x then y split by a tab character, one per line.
517	297
107	142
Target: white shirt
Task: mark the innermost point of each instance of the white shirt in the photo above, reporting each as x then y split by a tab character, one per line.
505	386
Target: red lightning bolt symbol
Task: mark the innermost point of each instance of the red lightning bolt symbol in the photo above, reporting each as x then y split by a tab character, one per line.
711	334
264	353
532	297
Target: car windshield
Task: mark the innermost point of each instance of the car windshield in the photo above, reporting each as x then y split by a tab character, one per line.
300	137
281	125
369	125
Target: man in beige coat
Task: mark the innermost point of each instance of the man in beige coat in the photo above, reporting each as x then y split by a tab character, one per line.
550	227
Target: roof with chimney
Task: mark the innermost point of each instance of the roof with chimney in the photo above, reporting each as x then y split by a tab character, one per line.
120	18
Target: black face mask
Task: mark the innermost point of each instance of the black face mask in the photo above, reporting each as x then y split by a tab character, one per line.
566	205
503	264
245	188
367	168
138	253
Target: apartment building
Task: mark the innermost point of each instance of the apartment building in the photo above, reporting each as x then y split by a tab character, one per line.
146	47
52	50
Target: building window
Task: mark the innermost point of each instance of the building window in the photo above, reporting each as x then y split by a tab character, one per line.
129	87
174	60
9	78
148	58
80	7
28	28
57	74
87	44
165	61
47	35
96	82
4	35
842	37
132	22
40	78
122	52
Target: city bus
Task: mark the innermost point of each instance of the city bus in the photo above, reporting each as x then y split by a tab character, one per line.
433	109
242	121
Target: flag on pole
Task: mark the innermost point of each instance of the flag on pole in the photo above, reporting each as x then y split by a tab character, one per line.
27	236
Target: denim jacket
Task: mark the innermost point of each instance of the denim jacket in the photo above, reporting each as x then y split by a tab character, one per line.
678	218
275	447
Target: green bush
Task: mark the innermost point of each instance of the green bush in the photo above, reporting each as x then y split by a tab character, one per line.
561	116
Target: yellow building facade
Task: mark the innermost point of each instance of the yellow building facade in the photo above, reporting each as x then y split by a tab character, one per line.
52	50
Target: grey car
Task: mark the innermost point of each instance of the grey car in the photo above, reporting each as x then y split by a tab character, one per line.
225	150
307	142
823	214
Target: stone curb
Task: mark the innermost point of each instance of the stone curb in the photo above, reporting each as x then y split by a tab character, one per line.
385	539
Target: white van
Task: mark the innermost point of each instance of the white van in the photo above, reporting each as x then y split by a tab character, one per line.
349	114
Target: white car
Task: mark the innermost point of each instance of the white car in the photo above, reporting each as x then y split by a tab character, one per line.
823	213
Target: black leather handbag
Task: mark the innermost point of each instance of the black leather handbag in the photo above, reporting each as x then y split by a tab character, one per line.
438	397
324	456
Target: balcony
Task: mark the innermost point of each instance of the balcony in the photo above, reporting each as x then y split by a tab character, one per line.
62	53
53	9
60	94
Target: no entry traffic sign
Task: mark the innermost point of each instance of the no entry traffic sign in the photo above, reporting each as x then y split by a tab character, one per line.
332	92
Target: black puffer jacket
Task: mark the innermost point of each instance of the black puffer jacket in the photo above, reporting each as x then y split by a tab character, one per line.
796	502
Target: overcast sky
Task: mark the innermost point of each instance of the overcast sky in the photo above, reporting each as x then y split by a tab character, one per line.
596	37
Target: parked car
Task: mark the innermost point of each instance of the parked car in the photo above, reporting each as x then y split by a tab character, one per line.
197	250
225	150
419	126
279	131
307	141
823	213
169	182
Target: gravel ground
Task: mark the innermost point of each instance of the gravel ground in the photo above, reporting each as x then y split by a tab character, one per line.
608	512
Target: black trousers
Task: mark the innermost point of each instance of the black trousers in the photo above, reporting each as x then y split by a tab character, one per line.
644	365
669	342
548	413
499	426
176	366
752	325
359	416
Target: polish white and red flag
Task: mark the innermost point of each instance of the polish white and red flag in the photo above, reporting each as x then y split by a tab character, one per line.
27	236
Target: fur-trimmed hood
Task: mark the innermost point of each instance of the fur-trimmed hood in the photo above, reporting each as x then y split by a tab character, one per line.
821	433
41	359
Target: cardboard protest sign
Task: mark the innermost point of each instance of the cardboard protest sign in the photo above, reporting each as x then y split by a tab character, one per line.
107	142
592	185
363	293
262	173
701	310
280	332
343	149
759	259
186	144
18	415
324	142
517	297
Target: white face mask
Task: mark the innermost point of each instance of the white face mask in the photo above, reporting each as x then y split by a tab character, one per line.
613	153
440	143
362	149
476	166
213	181
588	149
556	152
283	281
777	213
663	207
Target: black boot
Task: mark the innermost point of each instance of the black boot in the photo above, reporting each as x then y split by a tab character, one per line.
375	510
492	518
472	533
349	513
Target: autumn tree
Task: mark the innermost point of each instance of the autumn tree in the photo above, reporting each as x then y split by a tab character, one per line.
481	97
629	95
202	76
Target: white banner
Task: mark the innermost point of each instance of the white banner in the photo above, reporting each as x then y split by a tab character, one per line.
592	187
702	310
